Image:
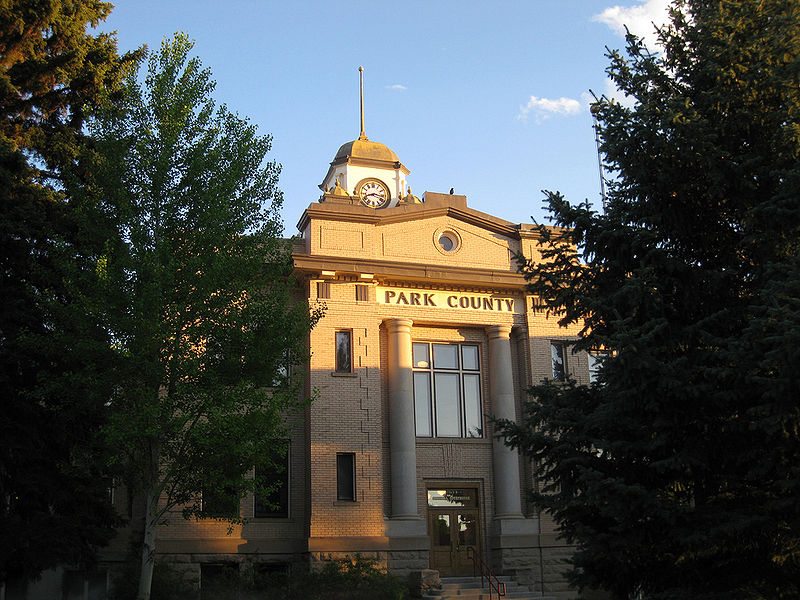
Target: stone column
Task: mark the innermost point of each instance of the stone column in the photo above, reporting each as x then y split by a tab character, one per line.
508	504
402	434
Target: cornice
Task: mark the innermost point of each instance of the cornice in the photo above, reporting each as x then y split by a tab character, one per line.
395	272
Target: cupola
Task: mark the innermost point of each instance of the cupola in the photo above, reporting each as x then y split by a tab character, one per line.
365	172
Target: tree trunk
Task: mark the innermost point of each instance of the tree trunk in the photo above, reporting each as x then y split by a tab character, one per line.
148	547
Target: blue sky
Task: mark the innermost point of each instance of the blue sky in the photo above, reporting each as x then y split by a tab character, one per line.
490	98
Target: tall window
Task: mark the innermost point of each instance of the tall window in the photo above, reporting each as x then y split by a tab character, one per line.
558	356
447	390
219	580
595	359
276	477
344	352
346	477
222	503
77	585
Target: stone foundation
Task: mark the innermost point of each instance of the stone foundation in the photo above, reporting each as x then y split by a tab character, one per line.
543	569
404	562
424	582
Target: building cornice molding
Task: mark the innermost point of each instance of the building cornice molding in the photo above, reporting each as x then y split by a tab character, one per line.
394	272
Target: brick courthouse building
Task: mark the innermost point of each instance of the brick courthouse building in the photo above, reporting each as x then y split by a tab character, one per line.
428	329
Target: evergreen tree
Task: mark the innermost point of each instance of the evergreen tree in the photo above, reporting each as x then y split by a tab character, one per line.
677	474
54	504
195	288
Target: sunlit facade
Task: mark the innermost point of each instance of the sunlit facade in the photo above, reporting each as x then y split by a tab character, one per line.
428	331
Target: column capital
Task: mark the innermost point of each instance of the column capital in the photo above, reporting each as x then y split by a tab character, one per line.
499	331
398	325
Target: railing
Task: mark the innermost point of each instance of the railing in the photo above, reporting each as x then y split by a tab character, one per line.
478	564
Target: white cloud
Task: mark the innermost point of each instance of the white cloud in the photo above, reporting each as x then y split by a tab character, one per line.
640	19
397	86
544	108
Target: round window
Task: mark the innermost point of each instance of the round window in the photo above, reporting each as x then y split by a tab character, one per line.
447	242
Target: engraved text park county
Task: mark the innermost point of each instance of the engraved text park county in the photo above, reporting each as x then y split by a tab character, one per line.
465	301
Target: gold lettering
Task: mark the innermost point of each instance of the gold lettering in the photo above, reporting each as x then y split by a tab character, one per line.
389	295
415	298
401	298
509	304
463	302
487	304
429	300
452	302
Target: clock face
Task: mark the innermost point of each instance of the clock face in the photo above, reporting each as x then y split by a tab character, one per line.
373	193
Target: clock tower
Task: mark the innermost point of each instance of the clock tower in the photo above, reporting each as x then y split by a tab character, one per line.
367	173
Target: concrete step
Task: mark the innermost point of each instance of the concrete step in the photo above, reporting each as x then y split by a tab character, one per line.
485	596
469	593
468	578
469	588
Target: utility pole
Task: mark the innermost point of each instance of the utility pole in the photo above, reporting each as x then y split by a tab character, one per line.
594	109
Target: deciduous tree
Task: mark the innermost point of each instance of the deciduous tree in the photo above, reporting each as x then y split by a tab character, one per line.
677	474
195	288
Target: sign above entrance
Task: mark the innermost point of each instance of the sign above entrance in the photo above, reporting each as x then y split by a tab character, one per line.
447	300
451	498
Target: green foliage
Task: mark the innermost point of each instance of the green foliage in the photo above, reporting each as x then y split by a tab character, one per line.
168	583
54	489
678	474
194	287
358	578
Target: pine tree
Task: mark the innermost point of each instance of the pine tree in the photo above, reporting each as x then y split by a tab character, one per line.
54	493
677	474
194	287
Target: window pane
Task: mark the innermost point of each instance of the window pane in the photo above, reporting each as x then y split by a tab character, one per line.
472	405
420	356
218	580
469	358
422	404
441	530
97	585
276	503
467	527
447	404
345	477
343	352
451	498
445	356
73	585
594	366
220	503
557	354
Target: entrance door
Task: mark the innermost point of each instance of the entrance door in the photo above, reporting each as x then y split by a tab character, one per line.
453	525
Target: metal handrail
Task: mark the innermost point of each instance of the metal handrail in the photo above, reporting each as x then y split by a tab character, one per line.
478	564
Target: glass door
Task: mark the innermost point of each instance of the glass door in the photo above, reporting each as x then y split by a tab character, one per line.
453	525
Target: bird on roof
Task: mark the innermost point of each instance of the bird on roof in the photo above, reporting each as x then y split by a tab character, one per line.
452	191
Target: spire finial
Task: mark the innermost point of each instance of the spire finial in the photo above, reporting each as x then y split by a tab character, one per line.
363	135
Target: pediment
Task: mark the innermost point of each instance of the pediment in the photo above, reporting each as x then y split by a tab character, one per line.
412	234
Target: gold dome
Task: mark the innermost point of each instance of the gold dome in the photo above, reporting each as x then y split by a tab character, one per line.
364	149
